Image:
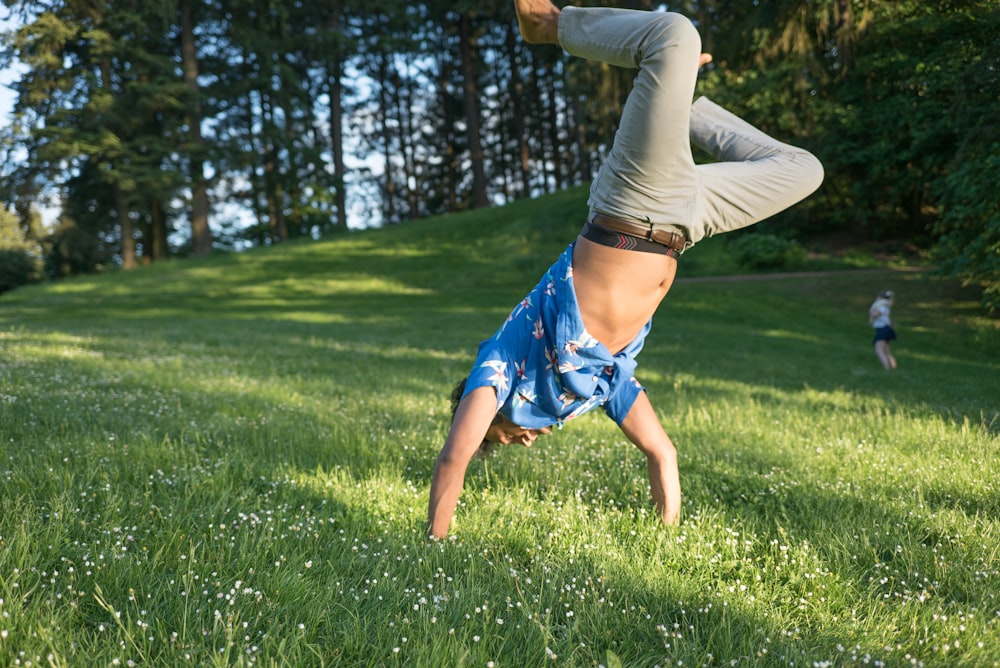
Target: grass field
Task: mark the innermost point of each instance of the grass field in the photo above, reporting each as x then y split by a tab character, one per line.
226	462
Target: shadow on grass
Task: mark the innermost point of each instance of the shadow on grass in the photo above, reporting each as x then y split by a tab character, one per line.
829	563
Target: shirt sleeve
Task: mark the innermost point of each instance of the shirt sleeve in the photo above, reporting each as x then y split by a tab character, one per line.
490	371
621	401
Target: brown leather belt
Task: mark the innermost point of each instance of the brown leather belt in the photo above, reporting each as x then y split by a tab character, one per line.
666	238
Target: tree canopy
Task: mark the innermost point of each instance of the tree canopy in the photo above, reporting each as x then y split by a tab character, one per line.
151	123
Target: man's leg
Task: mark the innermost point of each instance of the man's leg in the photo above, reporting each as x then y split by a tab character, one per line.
649	174
758	176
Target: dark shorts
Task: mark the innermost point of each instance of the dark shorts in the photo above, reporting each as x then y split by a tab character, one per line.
884	334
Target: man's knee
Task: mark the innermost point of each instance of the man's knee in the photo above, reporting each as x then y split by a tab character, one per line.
810	171
676	31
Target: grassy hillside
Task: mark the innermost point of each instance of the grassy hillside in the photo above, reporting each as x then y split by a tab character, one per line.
226	461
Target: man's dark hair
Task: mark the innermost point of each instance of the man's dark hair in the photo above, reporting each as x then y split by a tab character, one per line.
486	447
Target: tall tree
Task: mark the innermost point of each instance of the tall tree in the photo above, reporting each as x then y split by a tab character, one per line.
100	90
470	88
517	88
336	56
201	233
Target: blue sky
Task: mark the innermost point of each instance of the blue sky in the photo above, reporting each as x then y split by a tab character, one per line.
6	76
6	96
356	216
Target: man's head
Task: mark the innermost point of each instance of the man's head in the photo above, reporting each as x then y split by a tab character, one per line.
504	431
501	430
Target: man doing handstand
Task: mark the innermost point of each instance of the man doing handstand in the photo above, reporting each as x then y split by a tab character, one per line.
570	346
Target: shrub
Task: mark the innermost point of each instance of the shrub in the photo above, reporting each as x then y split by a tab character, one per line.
766	251
17	268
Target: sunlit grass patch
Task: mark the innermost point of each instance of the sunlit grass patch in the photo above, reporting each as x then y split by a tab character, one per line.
226	461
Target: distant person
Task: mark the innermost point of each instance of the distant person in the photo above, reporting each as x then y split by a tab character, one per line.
570	346
880	317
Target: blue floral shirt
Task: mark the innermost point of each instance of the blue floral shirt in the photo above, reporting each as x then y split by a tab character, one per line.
545	367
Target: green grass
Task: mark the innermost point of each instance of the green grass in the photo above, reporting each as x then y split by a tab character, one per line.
226	462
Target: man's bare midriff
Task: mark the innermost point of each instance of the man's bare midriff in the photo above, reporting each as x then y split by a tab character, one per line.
619	290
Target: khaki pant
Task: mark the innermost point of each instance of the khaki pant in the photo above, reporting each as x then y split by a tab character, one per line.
649	175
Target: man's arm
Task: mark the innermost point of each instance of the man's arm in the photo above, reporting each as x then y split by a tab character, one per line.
642	427
472	419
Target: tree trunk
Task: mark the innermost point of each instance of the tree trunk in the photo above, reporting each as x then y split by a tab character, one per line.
471	102
450	160
706	29
404	104
127	231
520	125
586	170
277	232
256	174
555	155
201	233
158	232
125	228
847	33
336	116
503	157
389	204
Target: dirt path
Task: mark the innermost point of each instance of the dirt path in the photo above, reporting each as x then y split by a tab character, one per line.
739	278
